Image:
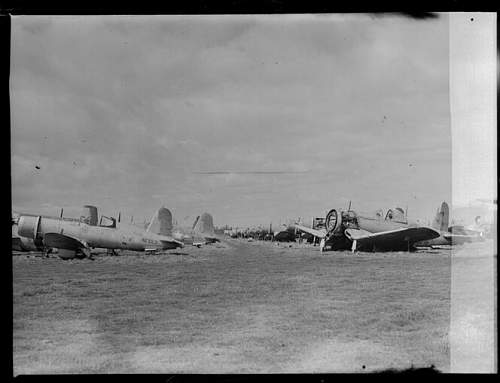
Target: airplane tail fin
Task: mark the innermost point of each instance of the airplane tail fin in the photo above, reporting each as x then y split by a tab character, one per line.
441	220
161	223
204	224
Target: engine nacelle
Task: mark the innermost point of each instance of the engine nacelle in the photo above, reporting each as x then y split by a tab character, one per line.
28	244
333	221
28	227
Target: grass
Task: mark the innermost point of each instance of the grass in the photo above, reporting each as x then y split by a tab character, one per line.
246	307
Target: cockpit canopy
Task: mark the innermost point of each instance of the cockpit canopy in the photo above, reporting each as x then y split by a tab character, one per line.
111	222
397	215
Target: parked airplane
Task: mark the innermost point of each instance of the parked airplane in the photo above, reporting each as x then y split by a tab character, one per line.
76	238
288	233
204	227
348	229
455	234
263	234
202	232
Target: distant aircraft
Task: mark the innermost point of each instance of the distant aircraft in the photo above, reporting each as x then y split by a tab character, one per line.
350	230
204	227
202	232
455	234
75	238
288	233
261	233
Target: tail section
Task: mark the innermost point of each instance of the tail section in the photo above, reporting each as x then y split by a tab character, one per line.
161	223
441	221
204	224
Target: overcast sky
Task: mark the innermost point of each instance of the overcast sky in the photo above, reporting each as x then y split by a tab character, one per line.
126	112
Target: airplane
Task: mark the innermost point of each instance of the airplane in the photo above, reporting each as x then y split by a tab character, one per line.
262	234
288	233
202	232
204	227
472	233
233	233
350	230
454	234
75	238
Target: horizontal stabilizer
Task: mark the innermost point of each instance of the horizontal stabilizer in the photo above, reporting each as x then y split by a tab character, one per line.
171	243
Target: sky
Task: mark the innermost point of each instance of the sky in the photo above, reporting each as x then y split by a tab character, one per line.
254	119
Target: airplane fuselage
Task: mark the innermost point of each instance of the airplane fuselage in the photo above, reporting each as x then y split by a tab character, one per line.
95	236
378	225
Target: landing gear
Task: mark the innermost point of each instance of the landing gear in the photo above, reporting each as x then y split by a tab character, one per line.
83	253
354	245
112	252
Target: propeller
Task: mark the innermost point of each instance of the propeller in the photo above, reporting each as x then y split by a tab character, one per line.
61	213
331	220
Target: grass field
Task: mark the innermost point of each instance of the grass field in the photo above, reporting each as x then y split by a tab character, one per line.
237	307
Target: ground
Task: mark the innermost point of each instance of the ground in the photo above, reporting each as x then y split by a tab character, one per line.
232	307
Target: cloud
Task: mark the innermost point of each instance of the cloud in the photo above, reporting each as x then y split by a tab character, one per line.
302	111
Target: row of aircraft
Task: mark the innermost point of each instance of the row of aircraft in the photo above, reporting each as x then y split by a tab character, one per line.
348	229
339	230
74	238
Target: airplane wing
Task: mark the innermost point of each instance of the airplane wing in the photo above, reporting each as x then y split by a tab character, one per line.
316	233
61	241
391	239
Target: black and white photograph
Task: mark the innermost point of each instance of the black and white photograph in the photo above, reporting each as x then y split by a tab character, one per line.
253	193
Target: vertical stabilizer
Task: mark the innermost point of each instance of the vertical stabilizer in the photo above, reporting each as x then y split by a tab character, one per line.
205	224
441	221
161	223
